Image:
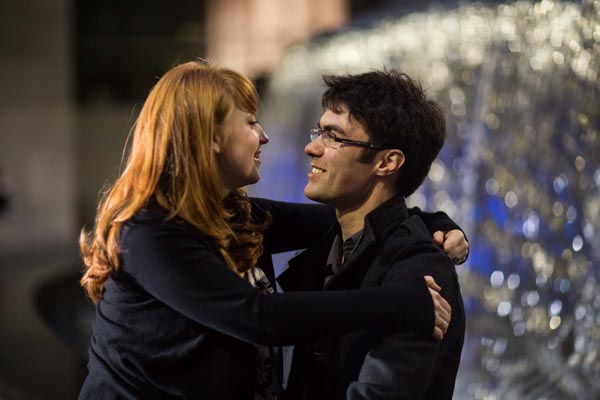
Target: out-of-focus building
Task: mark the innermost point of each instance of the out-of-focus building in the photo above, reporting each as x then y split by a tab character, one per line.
251	36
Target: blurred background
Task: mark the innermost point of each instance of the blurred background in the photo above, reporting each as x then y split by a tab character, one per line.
520	170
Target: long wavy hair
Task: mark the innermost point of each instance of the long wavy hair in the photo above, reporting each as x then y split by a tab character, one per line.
171	163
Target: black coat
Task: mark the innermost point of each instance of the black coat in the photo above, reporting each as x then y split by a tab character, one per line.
375	363
176	322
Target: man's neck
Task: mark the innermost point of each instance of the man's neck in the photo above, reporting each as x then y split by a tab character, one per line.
352	218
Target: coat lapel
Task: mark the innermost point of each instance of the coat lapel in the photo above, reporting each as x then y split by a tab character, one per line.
379	223
353	270
307	270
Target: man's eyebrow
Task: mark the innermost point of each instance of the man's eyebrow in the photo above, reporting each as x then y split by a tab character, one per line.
332	128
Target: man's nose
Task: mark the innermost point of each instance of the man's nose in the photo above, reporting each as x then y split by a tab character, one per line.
314	148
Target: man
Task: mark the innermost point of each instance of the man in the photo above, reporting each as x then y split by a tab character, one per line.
374	146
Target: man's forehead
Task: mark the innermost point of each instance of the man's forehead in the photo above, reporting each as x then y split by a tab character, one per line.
340	118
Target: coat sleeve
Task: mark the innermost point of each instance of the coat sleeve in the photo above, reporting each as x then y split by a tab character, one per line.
294	226
185	272
403	364
398	368
437	221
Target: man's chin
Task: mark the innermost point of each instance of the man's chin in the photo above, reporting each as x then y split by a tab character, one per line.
312	195
307	192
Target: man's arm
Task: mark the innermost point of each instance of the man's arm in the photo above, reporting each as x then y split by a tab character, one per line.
400	367
403	365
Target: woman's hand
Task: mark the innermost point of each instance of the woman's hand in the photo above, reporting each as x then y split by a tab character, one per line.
454	244
441	309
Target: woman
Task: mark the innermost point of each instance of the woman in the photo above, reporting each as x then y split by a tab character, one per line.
174	237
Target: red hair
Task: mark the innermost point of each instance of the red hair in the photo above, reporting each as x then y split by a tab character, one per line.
171	162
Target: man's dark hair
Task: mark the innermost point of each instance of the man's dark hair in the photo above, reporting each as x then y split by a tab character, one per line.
395	113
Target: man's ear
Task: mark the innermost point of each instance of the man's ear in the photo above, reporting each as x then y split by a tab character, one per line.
390	162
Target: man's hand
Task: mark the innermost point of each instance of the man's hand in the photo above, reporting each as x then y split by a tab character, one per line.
454	244
441	309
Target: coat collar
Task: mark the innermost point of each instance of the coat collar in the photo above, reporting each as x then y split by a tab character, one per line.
307	270
384	219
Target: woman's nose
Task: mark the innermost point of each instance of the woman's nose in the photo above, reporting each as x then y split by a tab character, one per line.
262	135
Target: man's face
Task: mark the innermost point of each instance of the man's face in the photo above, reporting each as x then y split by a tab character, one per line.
337	177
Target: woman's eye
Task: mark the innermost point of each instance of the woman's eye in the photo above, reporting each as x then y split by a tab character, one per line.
254	122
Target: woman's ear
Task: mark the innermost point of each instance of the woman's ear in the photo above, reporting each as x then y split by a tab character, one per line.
216	143
390	162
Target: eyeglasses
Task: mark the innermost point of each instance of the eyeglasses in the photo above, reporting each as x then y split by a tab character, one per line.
331	140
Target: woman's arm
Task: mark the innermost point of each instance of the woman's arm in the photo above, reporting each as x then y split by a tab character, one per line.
446	234
294	226
436	221
179	267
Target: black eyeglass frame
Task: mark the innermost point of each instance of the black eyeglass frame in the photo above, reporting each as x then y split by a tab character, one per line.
323	133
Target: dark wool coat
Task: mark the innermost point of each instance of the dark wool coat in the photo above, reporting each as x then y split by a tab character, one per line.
376	363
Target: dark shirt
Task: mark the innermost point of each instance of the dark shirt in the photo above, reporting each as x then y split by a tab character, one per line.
340	251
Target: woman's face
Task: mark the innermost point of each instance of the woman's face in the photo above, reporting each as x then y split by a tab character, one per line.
238	146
